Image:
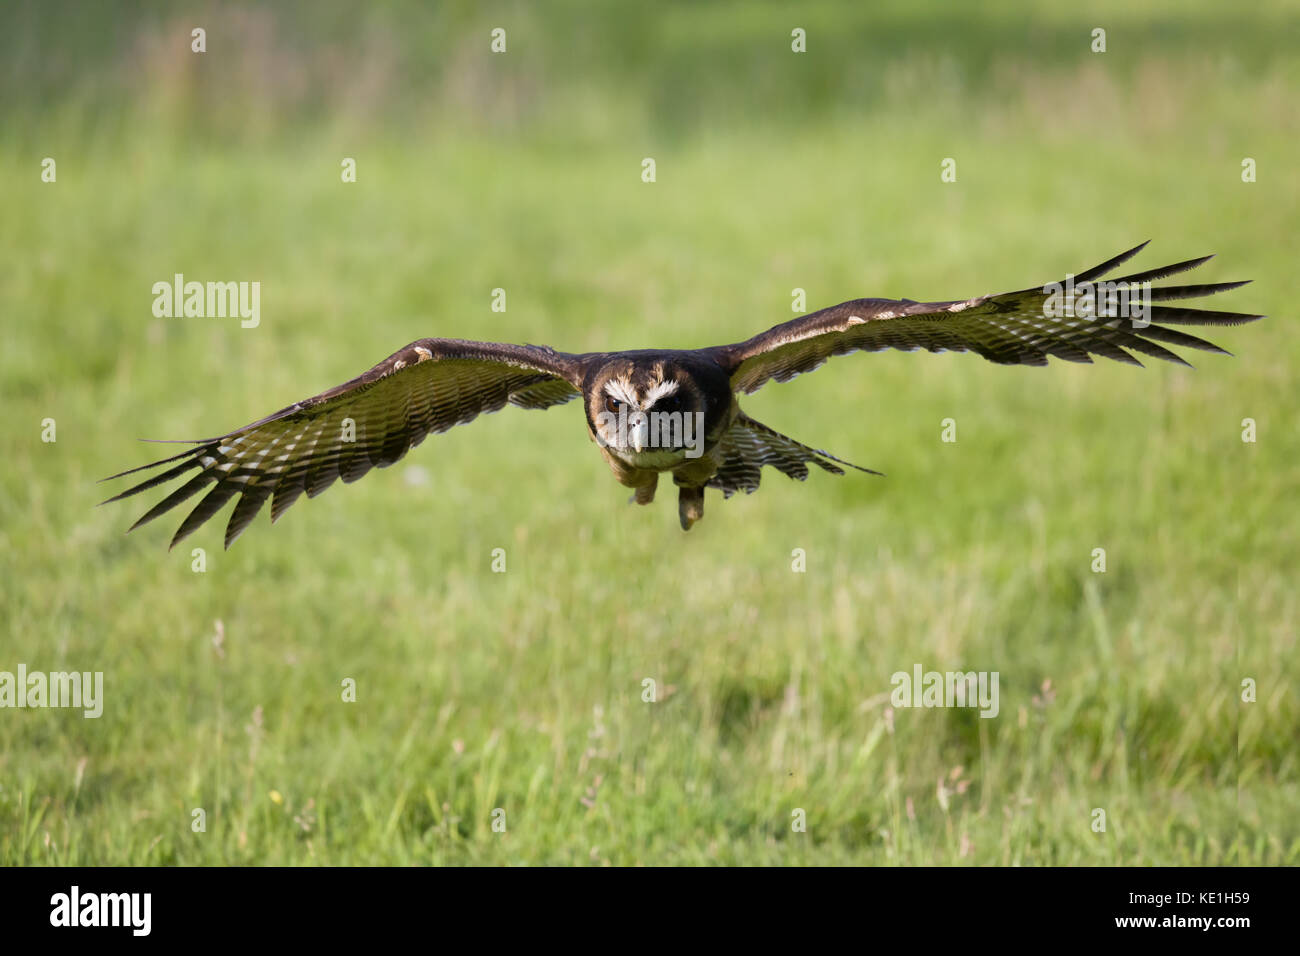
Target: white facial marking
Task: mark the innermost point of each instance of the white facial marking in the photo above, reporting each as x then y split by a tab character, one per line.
658	391
620	389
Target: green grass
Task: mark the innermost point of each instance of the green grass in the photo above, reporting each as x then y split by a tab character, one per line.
523	690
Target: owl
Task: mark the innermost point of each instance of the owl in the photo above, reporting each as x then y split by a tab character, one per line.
664	411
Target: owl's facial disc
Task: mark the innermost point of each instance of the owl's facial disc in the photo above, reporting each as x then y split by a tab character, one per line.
647	420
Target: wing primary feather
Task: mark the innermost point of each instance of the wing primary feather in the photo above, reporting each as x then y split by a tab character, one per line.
1168	292
156	479
1165	271
205	509
289	490
185	491
1174	337
1100	270
1164	313
155	464
250	503
1138	344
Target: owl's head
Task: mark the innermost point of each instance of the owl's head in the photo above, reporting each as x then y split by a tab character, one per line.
650	412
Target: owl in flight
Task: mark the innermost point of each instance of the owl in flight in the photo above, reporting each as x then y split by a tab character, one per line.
659	410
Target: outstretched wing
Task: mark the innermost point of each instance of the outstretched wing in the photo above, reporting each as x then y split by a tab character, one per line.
371	421
1014	328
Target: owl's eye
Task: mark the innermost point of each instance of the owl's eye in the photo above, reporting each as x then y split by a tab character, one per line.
611	404
671	403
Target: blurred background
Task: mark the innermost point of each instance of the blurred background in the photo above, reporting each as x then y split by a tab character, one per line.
523	692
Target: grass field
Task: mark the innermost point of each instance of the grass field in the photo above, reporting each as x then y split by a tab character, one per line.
523	691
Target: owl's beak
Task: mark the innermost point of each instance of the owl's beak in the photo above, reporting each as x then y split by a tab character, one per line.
639	431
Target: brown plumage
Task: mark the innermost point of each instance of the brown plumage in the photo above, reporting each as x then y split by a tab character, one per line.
434	384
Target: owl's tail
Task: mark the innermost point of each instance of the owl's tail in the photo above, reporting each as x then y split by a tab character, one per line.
749	445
